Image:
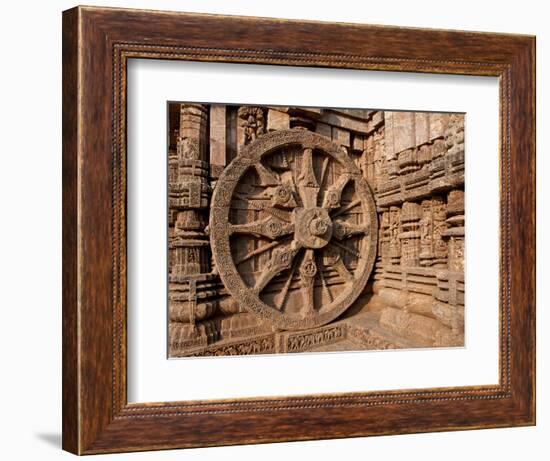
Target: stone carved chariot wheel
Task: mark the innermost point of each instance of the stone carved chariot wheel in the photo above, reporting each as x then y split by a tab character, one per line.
293	229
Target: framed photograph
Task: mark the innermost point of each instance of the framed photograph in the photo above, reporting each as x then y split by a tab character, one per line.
284	230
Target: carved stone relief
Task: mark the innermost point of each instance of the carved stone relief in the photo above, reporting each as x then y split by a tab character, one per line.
252	123
313	216
302	229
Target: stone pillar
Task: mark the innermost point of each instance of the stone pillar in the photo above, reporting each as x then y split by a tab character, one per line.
433	249
218	138
384	238
426	234
367	161
382	257
449	298
189	195
190	299
439	216
454	135
410	236
394	231
455	233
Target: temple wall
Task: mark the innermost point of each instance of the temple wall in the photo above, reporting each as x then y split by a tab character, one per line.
414	164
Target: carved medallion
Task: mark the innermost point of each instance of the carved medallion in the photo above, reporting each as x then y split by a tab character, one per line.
293	229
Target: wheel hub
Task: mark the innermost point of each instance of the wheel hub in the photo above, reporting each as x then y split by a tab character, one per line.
314	227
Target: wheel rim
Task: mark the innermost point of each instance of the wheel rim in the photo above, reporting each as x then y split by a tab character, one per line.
294	207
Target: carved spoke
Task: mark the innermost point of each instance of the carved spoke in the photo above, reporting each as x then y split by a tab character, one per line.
282	297
324	170
308	187
283	196
345	209
263	207
333	195
333	259
324	283
351	251
271	228
281	259
343	271
343	229
308	270
253	193
257	251
267	176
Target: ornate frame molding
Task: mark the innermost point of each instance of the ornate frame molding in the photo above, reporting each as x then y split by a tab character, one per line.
97	43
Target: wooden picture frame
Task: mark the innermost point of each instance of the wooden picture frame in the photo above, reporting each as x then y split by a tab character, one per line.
97	43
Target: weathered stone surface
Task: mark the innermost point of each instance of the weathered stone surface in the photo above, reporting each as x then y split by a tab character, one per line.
411	302
277	120
341	137
324	130
342	121
217	135
388	136
358	143
359	114
377	119
438	125
304	229
403	131
408	324
421	128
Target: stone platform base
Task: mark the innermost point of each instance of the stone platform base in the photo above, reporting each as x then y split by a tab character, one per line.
360	331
